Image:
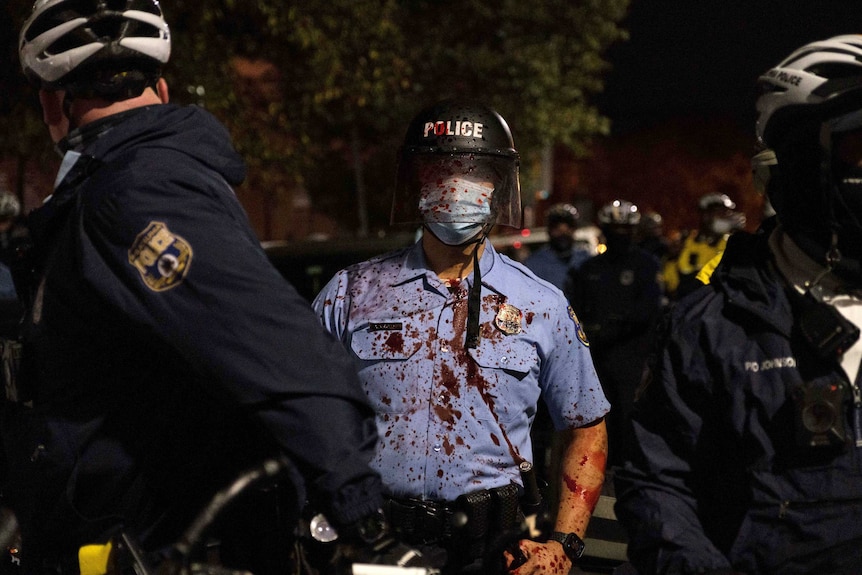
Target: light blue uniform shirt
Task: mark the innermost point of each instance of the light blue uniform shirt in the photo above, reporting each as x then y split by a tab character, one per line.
453	420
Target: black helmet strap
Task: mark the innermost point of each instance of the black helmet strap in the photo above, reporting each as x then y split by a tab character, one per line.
474	300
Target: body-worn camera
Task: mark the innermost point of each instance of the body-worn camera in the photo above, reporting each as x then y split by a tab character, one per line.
821	413
822	406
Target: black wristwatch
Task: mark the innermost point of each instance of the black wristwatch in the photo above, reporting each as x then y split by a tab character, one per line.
572	544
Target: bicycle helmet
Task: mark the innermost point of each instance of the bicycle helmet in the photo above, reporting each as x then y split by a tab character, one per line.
10	206
708	201
806	103
619	213
651	221
822	78
562	213
111	49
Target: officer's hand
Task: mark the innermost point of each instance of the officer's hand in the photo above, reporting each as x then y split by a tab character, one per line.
548	558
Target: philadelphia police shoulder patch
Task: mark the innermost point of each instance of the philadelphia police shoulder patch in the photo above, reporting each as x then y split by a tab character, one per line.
161	257
582	335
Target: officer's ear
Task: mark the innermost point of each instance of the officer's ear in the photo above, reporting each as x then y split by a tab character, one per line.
53	114
52	106
162	91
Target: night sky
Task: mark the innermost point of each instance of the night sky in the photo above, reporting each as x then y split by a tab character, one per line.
702	57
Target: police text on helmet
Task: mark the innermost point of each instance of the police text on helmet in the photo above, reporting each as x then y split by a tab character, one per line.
444	128
784	77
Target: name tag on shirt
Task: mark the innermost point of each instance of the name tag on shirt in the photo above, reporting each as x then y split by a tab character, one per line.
386	326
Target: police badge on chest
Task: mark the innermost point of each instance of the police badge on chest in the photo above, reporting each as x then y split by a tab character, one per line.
509	319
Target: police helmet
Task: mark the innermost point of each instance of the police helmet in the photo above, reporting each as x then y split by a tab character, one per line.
562	214
111	49
805	102
451	143
651	221
10	207
710	201
819	80
620	213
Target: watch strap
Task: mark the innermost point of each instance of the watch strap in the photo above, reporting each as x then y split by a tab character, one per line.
572	544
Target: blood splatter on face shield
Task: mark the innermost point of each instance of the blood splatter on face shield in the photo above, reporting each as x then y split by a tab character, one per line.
456	199
456	209
463	188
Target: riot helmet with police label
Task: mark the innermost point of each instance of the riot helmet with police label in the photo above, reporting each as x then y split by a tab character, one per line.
458	164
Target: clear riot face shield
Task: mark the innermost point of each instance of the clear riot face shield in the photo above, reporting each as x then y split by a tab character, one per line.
457	187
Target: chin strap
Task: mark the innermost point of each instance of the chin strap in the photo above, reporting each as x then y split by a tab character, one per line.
474	300
833	257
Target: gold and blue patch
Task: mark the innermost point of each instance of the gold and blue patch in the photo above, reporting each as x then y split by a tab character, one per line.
160	256
582	335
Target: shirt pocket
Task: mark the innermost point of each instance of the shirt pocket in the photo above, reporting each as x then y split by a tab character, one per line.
508	368
389	372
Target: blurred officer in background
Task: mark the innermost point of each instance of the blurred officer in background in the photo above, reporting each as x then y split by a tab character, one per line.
13	236
553	261
455	344
617	295
747	445
650	236
718	219
162	353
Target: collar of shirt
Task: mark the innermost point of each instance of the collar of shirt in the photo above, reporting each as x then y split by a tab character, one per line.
69	161
416	266
80	138
799	269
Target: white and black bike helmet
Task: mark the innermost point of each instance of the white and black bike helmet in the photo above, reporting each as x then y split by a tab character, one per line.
111	49
806	102
619	213
823	77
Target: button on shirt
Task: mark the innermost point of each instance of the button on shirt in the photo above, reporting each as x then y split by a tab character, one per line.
453	420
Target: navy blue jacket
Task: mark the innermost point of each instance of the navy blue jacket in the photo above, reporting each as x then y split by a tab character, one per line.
714	478
163	354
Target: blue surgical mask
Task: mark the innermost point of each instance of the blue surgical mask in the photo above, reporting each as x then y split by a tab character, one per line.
455	233
455	199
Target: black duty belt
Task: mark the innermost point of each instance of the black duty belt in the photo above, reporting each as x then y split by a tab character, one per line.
472	517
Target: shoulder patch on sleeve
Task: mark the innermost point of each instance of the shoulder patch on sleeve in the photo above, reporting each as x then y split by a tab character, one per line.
582	335
160	256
